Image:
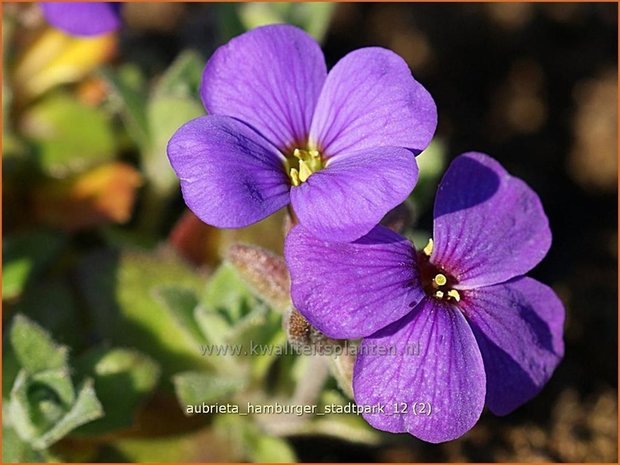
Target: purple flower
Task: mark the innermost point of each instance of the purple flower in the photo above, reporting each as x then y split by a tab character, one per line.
83	18
448	328
339	147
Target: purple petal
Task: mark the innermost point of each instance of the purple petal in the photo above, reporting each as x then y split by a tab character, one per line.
230	176
428	358
83	19
347	198
350	290
519	328
270	78
370	99
489	226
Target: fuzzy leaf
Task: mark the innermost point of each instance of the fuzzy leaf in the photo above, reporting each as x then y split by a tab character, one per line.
15	450
181	303
214	327
227	293
85	409
34	348
44	407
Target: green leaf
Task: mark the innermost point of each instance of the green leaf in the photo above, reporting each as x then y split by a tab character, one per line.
165	115
128	94
34	348
214	327
25	254
68	135
227	293
193	388
123	378
58	381
85	409
43	407
14	450
181	304
272	450
228	309
173	102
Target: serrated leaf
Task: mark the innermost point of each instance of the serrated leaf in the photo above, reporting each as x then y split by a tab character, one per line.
34	348
122	378
181	303
25	254
69	136
194	388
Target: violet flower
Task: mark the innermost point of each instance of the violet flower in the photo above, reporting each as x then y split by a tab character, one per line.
339	147
83	18
480	330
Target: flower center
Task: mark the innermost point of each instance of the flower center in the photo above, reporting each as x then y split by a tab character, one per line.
435	281
302	164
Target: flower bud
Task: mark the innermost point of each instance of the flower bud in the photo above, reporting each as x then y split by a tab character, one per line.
264	272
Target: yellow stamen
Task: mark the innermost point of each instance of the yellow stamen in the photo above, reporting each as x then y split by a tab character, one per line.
304	171
295	177
440	280
308	162
439	294
428	250
454	294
